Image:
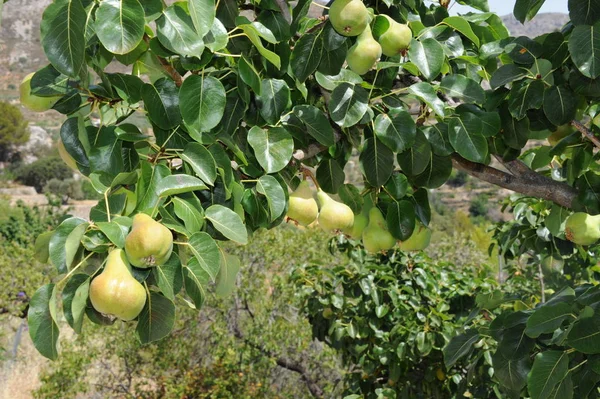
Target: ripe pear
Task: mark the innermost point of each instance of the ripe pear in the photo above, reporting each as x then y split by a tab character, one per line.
115	291
364	53
333	215
302	206
395	39
418	241
360	223
376	236
33	102
349	17
583	229
66	157
149	243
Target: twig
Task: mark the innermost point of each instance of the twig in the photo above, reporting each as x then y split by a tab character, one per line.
586	132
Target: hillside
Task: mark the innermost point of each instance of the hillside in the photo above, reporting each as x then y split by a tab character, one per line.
542	23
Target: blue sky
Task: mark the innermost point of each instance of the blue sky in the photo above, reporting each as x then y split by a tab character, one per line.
503	7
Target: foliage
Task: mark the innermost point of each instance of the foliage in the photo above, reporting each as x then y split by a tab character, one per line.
40	172
65	189
13	128
479	205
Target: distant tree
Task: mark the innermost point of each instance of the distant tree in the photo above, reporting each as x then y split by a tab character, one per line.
13	129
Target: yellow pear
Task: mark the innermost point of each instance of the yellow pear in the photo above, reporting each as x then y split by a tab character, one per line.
582	228
302	206
376	237
66	157
363	55
348	17
115	291
395	39
149	243
333	214
418	241
33	102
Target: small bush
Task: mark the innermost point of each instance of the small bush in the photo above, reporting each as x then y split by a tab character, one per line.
64	189
479	206
458	178
40	172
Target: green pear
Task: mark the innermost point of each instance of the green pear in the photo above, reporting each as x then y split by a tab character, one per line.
302	206
149	243
418	241
333	214
560	133
552	264
583	229
115	291
363	55
33	102
376	237
395	39
66	157
361	221
348	17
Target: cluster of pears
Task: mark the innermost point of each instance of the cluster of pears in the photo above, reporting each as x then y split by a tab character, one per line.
352	18
582	228
115	291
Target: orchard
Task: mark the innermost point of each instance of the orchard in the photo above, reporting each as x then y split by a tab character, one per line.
256	108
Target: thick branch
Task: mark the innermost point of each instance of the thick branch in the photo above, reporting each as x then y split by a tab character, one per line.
539	186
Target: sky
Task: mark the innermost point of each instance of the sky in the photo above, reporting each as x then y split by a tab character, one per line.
503	7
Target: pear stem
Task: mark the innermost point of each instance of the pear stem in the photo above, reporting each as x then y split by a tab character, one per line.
74	269
319	5
308	173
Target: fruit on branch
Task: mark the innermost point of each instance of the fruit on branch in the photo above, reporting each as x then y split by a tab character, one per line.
560	133
395	39
349	17
302	206
582	228
115	291
552	264
376	236
356	230
333	214
149	243
418	241
33	102
364	53
66	157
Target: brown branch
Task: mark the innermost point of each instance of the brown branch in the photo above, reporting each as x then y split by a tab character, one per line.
586	132
535	186
167	66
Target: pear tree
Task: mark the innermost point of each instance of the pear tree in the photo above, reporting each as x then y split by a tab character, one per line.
205	115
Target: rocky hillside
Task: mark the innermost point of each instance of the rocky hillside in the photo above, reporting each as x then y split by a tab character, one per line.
542	23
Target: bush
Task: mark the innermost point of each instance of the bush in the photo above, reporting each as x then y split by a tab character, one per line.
65	189
458	178
479	206
38	173
13	129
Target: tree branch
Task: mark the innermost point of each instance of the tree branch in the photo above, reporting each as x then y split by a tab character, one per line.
586	132
527	183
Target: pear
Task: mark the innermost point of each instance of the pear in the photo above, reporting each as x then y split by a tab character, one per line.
302	206
395	39
356	230
364	53
66	157
376	237
582	229
552	264
149	243
418	241
348	17
33	102
333	215
115	291
560	133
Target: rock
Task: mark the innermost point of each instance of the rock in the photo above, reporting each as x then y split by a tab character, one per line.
38	139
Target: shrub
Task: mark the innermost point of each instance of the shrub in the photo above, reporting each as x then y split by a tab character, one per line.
479	205
13	128
65	189
38	173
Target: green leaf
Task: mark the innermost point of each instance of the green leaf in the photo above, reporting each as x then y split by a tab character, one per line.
235	109
202	102
169	277
427	93
43	329
329	82
74	300
202	13
161	100
253	35
120	25
273	148
524	97
41	246
461	25
377	162
190	211
459	346
330	176
270	188
584	335
436	173
549	369
151	175
512	374
105	154
217	38
197	272
178	184
397	186
350	195
70	132
428	55
583	43
465	137
584	12
230	267
249	74
63	36
115	232
525	10
65	242
156	319
397	131
507	74
348	104
437	135
547	319
560	105
274	99
175	30
464	88
201	161
415	160
306	55
228	223
317	124
401	219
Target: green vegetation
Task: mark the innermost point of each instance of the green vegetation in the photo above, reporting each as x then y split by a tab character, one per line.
13	129
42	171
